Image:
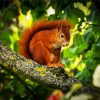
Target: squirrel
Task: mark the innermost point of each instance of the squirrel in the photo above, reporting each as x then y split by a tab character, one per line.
43	41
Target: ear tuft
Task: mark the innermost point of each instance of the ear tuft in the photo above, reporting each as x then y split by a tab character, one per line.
59	27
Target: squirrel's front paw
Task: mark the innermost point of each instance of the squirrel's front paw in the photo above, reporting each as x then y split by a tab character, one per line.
55	65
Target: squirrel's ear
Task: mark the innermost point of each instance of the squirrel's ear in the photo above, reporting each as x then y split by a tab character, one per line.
59	27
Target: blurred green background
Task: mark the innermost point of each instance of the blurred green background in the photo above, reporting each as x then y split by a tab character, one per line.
80	57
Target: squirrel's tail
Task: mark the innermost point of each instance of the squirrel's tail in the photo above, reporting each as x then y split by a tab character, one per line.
38	26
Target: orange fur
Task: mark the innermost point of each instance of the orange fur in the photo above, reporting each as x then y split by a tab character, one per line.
42	42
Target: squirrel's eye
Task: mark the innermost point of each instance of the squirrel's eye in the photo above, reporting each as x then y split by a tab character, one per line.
62	35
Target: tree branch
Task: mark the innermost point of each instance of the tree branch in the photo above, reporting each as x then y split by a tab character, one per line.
52	77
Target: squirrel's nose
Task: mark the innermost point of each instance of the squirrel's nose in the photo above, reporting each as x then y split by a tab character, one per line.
65	43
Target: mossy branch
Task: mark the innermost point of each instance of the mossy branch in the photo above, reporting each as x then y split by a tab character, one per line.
52	77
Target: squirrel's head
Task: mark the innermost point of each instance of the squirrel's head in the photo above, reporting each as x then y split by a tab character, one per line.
62	36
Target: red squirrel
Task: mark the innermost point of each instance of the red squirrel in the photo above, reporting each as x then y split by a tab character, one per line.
43	41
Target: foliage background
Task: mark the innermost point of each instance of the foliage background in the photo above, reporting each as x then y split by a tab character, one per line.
81	56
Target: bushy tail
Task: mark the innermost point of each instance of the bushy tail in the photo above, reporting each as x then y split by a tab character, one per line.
38	26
